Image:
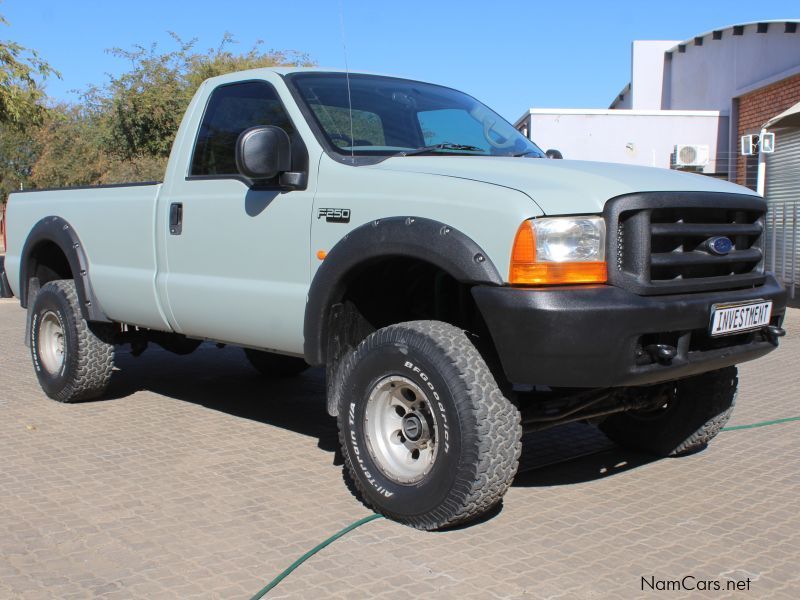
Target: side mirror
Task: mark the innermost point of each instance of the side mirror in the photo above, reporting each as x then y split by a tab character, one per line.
553	153
263	152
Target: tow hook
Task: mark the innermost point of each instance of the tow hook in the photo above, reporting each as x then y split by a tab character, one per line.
662	353
773	332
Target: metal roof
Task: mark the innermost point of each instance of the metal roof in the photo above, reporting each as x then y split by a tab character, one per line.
722	30
789	117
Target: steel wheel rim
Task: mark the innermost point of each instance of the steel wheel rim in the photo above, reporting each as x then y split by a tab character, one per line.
400	430
51	342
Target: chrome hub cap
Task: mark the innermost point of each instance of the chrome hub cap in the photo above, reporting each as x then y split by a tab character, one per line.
400	429
51	343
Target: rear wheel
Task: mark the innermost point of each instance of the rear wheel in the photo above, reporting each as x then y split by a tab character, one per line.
71	362
689	414
270	364
427	437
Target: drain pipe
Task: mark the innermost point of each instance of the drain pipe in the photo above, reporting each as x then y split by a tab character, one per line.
761	187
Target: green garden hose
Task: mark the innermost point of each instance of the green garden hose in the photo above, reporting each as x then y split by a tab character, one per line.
761	424
365	520
311	553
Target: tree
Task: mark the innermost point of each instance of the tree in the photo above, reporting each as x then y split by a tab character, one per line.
20	92
144	106
119	132
17	155
21	112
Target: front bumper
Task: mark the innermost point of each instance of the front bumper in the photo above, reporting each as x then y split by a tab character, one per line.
595	336
5	289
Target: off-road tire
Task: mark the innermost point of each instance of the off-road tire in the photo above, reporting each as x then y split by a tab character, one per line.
274	365
88	360
478	430
697	411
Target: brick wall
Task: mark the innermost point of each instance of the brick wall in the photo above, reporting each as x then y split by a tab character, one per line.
755	109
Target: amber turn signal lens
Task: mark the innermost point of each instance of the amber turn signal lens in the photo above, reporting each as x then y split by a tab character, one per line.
525	270
321	254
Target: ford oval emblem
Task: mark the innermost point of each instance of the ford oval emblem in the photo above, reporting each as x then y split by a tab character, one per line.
719	245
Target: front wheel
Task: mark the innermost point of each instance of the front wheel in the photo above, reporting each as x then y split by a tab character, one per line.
426	434
686	416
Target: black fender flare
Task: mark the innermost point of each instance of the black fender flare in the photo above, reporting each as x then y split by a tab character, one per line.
415	237
62	234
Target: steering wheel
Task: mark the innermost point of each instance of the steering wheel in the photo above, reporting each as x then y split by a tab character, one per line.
348	141
488	127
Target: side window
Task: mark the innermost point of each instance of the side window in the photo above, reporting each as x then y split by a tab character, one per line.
231	110
449	124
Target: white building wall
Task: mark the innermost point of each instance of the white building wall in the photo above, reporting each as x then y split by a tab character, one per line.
626	102
647	73
707	77
646	138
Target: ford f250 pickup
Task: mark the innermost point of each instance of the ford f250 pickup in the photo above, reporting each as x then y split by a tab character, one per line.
458	286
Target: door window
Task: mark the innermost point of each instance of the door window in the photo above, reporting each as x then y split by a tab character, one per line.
232	109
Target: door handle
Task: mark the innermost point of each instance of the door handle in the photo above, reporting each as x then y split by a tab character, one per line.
176	218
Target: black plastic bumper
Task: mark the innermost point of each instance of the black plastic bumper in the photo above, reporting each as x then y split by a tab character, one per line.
5	289
595	336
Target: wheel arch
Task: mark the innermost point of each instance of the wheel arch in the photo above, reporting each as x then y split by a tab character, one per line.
420	239
54	244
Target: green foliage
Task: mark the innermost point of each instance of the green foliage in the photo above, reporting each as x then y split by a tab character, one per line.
144	105
18	152
20	92
117	132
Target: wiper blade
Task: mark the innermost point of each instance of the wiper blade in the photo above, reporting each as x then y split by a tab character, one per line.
435	147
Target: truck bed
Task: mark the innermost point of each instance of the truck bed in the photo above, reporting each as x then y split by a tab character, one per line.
116	227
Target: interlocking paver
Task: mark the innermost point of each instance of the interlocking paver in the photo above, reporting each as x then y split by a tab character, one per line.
197	478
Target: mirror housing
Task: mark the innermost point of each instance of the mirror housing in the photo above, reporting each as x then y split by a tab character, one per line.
553	153
263	153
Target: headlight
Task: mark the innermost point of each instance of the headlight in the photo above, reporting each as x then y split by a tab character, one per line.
559	250
570	239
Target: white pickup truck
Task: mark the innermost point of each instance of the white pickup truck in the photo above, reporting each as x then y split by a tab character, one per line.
458	286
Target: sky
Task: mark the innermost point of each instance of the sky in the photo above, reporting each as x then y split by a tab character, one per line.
511	55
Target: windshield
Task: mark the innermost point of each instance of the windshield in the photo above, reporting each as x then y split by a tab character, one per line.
397	116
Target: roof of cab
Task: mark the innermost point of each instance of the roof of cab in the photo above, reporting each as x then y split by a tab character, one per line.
256	73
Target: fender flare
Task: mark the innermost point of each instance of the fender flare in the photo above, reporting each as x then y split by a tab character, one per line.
59	232
415	237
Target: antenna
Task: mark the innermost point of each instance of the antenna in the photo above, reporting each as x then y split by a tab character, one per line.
347	77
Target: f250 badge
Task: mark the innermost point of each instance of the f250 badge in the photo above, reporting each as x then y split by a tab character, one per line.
334	215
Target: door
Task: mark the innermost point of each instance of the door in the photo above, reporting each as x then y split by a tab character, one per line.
237	258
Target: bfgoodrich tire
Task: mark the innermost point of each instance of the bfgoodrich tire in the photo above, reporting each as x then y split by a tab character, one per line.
270	364
693	412
427	437
71	362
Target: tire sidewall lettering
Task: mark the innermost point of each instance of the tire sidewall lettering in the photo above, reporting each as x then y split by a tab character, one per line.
406	362
48	302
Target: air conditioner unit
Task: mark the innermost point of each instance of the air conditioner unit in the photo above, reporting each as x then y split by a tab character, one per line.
691	155
766	143
748	145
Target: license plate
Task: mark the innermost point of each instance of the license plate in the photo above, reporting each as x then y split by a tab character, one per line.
735	318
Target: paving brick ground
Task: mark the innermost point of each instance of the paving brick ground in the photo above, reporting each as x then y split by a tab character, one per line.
198	479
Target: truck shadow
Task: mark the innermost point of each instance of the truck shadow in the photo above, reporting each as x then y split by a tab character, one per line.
222	380
572	453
